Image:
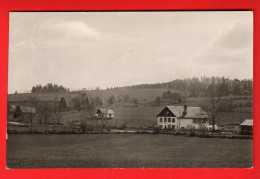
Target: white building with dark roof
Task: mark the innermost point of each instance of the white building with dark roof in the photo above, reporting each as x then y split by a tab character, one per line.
182	117
105	113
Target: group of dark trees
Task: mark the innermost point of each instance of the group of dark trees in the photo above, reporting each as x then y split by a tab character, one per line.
169	95
43	110
195	87
49	88
84	102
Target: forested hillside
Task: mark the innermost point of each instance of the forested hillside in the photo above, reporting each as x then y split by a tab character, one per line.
194	87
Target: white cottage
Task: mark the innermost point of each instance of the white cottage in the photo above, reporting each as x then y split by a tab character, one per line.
105	113
182	117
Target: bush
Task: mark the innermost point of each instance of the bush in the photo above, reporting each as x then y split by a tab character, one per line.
156	130
191	132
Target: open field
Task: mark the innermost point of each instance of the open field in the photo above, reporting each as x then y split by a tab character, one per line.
126	151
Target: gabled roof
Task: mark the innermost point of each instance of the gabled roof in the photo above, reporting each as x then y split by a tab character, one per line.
107	111
192	112
12	106
247	122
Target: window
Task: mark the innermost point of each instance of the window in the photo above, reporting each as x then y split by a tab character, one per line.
161	119
165	119
169	119
173	126
173	120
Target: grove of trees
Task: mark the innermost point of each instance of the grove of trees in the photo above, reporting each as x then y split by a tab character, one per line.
49	88
195	87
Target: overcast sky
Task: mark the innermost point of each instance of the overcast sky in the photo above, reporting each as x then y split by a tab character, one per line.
106	49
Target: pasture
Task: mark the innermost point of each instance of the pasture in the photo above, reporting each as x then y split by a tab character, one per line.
126	151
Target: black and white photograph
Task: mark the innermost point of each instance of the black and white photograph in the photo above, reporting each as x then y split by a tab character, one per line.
130	89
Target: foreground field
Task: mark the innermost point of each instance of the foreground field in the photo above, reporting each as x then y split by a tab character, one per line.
126	151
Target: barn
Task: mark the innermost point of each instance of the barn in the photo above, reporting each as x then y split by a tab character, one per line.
182	117
247	127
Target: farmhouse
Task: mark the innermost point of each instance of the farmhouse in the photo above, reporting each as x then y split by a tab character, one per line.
105	113
247	126
182	117
23	110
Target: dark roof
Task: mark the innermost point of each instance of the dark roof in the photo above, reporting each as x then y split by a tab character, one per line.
192	112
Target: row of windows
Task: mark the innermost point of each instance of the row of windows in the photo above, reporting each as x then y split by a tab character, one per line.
168	127
167	119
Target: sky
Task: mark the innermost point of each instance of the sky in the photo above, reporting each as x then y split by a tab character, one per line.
107	49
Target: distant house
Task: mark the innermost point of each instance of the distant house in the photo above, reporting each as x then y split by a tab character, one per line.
11	108
24	110
105	113
182	117
247	127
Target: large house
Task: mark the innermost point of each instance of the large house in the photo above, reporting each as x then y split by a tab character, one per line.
182	117
105	113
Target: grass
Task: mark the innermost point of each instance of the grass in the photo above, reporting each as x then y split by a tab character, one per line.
143	95
142	116
126	151
145	116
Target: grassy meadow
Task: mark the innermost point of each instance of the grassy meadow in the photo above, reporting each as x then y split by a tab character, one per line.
126	151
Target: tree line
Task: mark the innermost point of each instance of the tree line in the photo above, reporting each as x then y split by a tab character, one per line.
195	87
49	88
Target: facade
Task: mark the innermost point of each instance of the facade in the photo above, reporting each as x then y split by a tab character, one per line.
182	117
247	127
210	127
105	113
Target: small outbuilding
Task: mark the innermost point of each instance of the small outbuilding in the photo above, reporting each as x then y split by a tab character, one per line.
105	113
11	108
247	127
